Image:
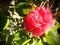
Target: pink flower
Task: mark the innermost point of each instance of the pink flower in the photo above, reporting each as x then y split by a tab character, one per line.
38	21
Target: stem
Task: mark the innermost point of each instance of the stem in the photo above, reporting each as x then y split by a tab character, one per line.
41	4
33	4
44	3
52	4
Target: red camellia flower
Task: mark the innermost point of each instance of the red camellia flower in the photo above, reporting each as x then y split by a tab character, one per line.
38	21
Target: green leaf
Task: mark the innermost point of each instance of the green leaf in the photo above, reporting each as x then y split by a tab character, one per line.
51	40
7	23
17	39
26	41
21	38
17	36
52	37
3	21
39	42
23	8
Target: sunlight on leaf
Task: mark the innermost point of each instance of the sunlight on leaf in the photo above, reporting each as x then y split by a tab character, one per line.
26	42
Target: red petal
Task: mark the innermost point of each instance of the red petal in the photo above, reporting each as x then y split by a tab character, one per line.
37	32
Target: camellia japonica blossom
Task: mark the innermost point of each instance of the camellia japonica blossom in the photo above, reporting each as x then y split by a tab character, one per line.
38	21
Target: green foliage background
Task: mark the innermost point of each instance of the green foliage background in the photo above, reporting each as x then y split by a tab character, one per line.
12	31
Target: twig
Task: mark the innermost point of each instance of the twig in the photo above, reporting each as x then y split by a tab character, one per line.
33	4
52	4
